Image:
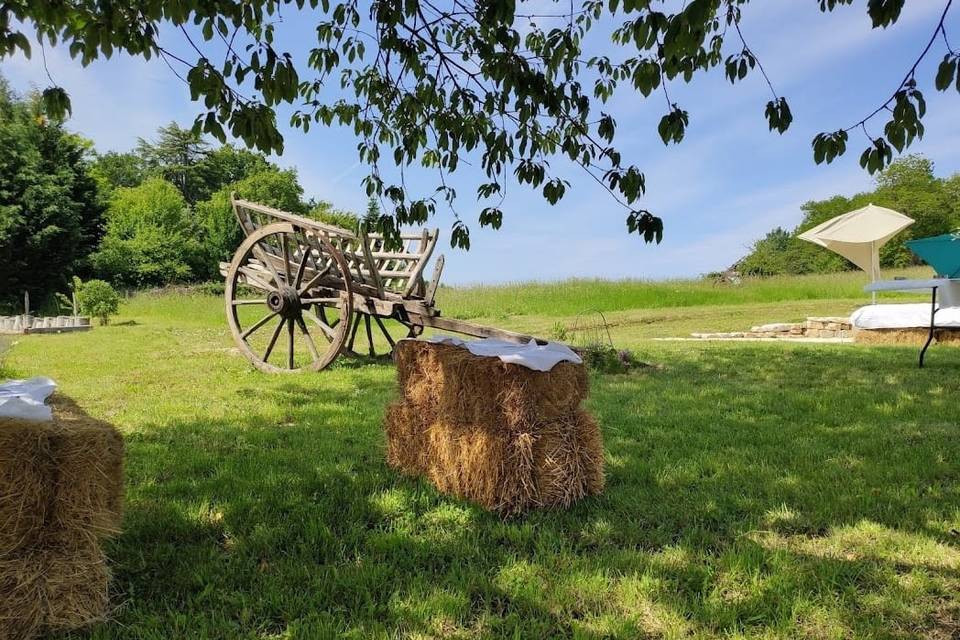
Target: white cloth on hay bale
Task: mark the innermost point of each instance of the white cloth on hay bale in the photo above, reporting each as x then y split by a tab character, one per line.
903	316
24	399
538	357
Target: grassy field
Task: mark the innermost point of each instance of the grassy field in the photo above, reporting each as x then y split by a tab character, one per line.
755	490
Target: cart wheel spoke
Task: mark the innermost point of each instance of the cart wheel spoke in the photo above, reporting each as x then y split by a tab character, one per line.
315	279
285	253
375	349
259	323
253	278
308	339
267	259
321	301
238	303
386	333
323	316
327	330
290	358
273	341
353	332
366	321
303	265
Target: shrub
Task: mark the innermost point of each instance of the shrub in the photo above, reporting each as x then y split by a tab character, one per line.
150	239
97	298
559	332
605	358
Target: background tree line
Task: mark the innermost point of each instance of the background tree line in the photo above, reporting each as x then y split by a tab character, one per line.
908	185
157	215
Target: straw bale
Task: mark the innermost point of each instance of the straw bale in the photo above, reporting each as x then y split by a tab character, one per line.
26	484
22	594
914	336
554	464
52	590
61	492
501	435
449	381
77	583
569	460
89	466
467	462
60	481
406	439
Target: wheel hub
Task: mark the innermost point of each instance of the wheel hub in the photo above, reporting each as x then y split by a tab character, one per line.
284	301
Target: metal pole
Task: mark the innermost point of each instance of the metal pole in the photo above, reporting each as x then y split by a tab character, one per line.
933	314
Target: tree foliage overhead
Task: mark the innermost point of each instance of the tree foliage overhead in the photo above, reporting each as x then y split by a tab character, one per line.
50	212
508	85
909	186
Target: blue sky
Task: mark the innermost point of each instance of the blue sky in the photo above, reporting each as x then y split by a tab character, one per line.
723	187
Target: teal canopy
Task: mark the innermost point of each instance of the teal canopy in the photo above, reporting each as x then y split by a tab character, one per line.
940	252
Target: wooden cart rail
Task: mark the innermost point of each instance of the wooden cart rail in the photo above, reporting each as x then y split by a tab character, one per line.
370	264
319	283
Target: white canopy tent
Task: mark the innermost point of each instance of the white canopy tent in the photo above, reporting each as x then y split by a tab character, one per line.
859	234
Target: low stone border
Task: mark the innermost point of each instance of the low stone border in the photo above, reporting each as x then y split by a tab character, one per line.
820	327
22	324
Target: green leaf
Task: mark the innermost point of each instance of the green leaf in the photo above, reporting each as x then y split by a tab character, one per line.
643	222
460	236
945	72
56	103
778	115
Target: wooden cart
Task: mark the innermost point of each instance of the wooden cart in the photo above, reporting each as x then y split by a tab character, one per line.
317	284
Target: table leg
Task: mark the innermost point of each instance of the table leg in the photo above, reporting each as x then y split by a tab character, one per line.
933	313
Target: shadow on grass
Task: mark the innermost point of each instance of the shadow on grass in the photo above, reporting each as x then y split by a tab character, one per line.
785	491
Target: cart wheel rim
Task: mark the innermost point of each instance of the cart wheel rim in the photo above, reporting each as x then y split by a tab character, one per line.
293	273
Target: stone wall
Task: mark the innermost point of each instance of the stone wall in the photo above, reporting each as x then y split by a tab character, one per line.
814	327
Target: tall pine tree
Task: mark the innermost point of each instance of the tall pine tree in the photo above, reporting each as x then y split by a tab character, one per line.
50	212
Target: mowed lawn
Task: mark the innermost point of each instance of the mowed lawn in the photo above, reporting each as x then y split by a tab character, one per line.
755	490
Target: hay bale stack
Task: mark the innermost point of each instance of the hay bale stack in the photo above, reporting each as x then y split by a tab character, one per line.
449	381
915	337
506	437
62	494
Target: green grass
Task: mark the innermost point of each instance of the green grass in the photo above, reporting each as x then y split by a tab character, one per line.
571	297
754	490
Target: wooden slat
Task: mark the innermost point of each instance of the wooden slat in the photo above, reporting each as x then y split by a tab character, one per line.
403	236
476	330
431	291
301	221
371	265
395	272
428	243
395	255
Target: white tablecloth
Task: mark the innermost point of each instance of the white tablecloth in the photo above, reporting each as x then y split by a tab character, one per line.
24	399
539	357
903	316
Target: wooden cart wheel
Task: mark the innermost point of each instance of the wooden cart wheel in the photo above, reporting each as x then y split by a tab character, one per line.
288	297
381	335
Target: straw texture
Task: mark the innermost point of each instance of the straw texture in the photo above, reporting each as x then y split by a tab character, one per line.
501	435
61	493
905	336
